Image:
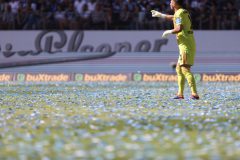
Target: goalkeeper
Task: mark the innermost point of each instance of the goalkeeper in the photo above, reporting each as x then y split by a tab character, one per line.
186	43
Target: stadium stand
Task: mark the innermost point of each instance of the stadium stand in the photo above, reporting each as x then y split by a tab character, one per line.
113	14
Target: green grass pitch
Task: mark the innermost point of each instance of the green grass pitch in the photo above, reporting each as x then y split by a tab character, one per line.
118	121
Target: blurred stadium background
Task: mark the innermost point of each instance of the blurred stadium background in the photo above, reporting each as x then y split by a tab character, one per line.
124	26
113	14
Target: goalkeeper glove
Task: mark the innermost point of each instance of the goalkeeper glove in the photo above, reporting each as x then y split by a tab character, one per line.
166	33
158	14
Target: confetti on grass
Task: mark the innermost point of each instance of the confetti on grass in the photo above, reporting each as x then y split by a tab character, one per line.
118	121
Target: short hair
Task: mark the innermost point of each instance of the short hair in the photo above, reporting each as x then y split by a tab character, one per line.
179	2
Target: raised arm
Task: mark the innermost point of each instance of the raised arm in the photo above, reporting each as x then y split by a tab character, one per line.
161	15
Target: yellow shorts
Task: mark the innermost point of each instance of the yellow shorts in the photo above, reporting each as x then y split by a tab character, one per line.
186	56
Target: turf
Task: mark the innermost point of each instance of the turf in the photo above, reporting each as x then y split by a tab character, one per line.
118	121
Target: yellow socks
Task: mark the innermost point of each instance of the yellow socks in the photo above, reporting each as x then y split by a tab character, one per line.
182	73
190	78
181	80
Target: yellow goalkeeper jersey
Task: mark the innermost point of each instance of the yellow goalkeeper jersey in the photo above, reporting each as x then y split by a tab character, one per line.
185	38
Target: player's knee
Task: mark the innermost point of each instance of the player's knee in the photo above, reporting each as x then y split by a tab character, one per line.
186	70
178	70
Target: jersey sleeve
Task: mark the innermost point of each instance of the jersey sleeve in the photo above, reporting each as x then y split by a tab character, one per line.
178	19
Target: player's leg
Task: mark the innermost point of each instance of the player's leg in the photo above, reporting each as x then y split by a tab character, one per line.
186	70
181	82
186	60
